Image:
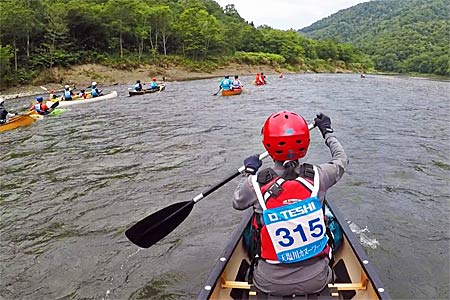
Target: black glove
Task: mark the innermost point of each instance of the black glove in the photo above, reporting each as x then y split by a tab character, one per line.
324	123
252	164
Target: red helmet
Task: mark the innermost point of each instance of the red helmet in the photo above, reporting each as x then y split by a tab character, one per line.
285	136
154	79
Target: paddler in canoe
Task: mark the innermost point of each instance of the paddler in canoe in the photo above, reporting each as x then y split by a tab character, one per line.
236	84
40	107
260	79
292	247
4	114
155	86
95	92
137	86
67	93
225	84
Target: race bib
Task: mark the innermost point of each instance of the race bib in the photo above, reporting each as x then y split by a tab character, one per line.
297	230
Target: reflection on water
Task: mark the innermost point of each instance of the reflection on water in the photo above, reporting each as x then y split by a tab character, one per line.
72	184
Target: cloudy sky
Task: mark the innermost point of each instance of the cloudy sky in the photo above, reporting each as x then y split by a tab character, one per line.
287	14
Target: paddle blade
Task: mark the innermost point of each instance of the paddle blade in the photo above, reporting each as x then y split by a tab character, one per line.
54	105
155	227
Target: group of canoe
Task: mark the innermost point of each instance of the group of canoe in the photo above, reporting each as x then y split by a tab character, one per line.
56	107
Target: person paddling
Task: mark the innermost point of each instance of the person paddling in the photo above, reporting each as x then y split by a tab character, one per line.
4	114
67	93
40	107
289	258
95	92
154	84
138	86
236	85
225	84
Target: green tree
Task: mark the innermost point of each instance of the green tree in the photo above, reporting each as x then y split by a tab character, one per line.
123	17
199	31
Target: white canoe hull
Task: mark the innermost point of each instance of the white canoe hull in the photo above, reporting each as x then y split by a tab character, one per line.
111	95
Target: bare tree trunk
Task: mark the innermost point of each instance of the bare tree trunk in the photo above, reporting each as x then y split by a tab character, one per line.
120	43
15	55
151	40
28	44
164	40
156	39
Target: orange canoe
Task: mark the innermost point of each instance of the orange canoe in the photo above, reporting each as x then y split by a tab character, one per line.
231	92
17	121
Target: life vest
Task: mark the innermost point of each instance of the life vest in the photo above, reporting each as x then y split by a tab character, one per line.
226	84
94	92
138	87
236	84
40	108
67	95
154	85
3	114
292	226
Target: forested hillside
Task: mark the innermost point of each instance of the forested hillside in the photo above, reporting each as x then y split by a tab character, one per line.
399	35
37	36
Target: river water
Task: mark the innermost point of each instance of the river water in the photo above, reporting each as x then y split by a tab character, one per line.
72	184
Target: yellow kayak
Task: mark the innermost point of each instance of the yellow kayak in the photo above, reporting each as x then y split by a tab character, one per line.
17	121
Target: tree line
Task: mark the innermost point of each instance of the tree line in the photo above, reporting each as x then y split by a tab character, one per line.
37	36
401	36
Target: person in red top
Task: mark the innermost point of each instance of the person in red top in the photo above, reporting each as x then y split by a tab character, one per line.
262	78
291	259
258	80
40	107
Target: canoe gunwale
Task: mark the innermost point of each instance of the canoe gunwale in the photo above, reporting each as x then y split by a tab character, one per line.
214	276
66	103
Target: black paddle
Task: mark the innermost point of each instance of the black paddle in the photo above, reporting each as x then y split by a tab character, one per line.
220	88
156	226
54	105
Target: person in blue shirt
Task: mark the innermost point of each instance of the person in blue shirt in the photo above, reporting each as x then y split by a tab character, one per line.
154	84
95	92
67	93
226	83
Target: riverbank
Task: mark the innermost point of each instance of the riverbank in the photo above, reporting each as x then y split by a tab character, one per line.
83	75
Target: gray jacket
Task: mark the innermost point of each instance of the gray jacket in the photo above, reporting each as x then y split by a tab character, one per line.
314	274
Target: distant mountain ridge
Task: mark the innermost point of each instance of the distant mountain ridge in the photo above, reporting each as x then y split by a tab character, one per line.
400	35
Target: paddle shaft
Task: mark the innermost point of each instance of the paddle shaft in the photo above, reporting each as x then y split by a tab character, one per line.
220	88
231	177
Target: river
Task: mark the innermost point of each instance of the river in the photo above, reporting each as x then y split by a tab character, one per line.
72	184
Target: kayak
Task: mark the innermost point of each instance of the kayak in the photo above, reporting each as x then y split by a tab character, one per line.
16	122
355	275
231	92
65	103
162	87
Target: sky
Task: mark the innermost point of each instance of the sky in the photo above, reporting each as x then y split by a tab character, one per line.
287	14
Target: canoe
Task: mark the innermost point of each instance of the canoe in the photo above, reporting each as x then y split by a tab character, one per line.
55	112
64	103
356	277
231	92
16	122
162	87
